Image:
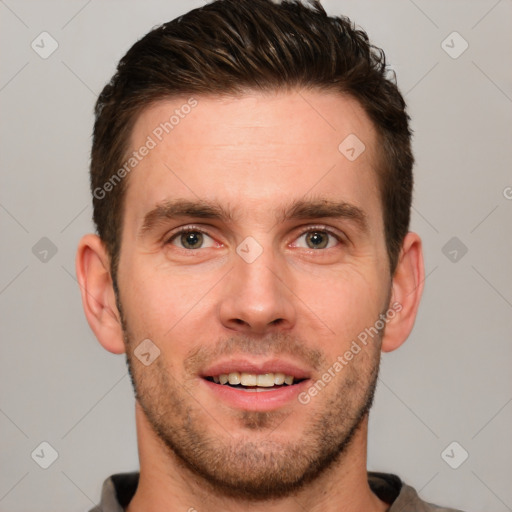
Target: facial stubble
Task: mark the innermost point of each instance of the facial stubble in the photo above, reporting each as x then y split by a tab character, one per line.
253	462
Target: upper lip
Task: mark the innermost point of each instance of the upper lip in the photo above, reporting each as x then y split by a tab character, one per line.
268	366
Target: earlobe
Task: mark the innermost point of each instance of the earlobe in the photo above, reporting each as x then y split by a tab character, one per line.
407	288
98	297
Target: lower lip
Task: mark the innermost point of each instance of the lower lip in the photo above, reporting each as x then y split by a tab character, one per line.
265	400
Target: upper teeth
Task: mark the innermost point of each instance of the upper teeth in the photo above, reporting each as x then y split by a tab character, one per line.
265	380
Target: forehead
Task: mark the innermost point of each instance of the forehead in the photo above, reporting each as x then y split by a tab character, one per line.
253	150
302	118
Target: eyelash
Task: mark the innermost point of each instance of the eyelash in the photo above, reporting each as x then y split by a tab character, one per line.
195	229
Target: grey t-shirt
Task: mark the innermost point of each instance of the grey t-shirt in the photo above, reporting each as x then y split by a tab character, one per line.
119	489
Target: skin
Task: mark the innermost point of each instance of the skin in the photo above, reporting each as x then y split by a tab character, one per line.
253	154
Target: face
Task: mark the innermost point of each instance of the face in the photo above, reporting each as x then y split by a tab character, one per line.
253	251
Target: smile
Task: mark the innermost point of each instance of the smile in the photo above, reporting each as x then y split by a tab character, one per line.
254	381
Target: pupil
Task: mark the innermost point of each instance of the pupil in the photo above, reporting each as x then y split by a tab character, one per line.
318	239
191	240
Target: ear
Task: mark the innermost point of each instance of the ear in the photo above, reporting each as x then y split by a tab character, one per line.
407	287
98	297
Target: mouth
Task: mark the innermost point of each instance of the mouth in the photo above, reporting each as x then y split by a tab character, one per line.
254	382
254	386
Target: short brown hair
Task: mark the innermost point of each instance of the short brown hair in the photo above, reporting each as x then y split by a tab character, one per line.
231	46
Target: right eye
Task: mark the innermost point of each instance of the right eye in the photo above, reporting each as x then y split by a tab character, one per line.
191	239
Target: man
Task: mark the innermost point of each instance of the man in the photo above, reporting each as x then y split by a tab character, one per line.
251	178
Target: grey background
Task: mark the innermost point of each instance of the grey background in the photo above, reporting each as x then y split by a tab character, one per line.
449	382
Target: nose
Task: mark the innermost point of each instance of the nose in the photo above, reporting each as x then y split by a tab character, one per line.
257	297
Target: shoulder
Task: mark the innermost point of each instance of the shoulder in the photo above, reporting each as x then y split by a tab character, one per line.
117	492
401	497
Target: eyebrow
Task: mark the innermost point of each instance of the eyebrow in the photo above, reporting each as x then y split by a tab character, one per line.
298	209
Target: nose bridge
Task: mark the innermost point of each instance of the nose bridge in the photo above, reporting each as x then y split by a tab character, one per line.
259	276
256	297
256	258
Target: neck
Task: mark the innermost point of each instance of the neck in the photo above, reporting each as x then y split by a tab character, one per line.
166	484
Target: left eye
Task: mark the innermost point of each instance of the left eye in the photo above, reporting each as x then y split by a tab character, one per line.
318	239
192	239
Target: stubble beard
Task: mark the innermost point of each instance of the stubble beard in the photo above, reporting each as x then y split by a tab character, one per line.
254	462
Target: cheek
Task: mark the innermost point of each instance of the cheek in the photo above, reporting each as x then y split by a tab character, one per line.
346	302
156	297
